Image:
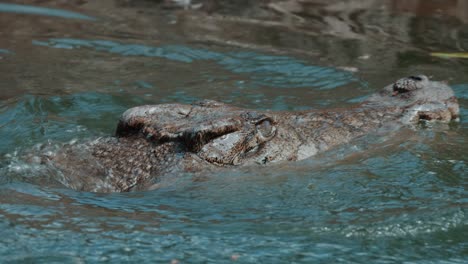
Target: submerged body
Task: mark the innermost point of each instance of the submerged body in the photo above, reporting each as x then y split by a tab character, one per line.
160	140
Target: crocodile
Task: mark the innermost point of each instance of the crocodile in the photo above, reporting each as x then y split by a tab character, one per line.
156	141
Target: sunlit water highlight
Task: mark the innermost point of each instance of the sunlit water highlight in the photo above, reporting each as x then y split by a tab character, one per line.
35	10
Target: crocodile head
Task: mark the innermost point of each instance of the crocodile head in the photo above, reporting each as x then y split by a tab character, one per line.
221	134
420	99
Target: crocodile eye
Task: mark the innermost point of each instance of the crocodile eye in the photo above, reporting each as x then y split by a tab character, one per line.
415	78
408	84
265	128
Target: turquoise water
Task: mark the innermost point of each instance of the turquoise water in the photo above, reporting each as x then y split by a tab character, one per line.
395	199
35	10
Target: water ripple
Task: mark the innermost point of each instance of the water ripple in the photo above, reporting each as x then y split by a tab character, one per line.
43	11
268	70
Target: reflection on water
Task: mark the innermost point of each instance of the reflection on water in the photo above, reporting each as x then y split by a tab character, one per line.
4	51
452	8
267	70
26	9
396	199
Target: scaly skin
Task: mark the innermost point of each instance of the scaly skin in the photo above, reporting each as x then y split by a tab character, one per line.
157	141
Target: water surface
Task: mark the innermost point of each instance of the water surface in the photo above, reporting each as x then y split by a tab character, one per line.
398	199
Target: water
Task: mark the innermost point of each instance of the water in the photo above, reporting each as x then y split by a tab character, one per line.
69	69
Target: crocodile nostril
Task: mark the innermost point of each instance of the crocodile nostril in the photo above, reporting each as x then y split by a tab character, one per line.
425	117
